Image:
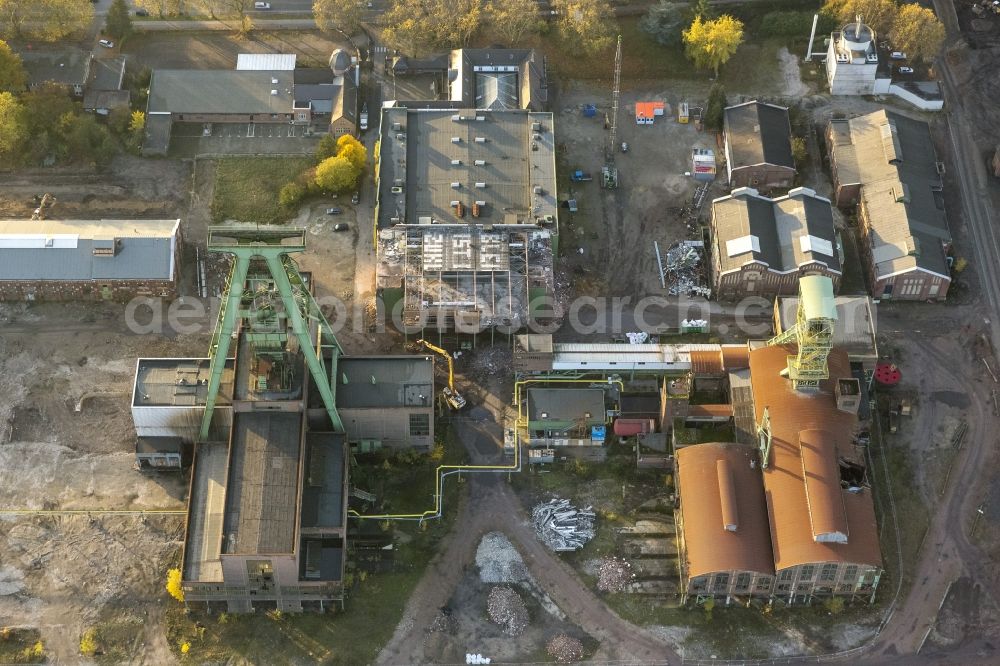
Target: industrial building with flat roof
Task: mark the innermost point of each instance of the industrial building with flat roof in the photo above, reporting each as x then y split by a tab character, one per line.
886	164
761	246
88	259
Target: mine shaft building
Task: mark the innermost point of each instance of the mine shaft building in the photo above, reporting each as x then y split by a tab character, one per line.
467	217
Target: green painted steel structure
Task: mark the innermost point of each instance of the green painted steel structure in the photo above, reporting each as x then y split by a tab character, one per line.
261	260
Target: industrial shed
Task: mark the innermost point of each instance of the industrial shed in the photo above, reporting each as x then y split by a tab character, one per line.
65	260
758	146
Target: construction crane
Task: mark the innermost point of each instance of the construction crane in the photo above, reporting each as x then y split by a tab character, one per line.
451	396
609	171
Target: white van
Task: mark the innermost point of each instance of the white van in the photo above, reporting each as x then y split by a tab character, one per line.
262	5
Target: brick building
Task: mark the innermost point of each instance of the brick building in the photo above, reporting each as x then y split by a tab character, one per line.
761	246
759	146
64	260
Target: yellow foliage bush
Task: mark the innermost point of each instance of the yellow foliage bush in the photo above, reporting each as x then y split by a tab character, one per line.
88	643
174	584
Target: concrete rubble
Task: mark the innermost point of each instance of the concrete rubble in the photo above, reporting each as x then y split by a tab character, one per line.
499	561
561	526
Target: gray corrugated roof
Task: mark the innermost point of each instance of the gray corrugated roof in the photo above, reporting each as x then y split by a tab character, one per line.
893	158
220	91
145	249
779	224
759	133
566	404
385	381
67	65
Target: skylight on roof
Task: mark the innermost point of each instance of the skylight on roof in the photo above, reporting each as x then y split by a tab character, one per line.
742	245
810	243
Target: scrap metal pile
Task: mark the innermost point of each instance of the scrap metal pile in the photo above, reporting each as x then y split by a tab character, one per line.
683	269
561	526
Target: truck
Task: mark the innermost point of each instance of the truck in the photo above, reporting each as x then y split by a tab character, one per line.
581	176
364	117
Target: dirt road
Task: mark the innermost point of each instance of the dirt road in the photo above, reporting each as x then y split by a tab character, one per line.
492	506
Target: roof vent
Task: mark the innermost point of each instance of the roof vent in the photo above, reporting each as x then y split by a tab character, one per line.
455	185
456	162
480	185
727	496
274	92
480	162
480	139
274	80
456	139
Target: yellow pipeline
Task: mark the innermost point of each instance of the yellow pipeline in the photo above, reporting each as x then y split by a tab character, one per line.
441	472
102	512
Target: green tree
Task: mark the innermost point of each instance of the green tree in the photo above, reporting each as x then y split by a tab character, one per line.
118	22
701	8
664	22
13	78
13	128
917	32
710	44
44	20
327	147
86	140
173	586
800	152
588	24
336	174
877	14
353	150
289	195
513	20
164	8
715	108
342	15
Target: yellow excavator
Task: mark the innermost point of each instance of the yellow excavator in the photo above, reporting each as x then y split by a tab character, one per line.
451	396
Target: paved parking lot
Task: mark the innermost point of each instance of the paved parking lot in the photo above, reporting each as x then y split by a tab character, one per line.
189	140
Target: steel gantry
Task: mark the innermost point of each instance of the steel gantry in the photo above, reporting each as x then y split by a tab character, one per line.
262	268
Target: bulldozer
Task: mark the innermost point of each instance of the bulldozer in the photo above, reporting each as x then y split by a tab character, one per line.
451	396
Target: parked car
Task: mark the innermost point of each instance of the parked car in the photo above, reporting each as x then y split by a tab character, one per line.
106	43
262	5
355	198
897	55
141	12
334	211
341	226
905	70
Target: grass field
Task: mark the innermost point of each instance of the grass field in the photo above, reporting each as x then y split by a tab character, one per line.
246	188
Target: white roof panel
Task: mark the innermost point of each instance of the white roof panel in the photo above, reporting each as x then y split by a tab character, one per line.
742	245
810	243
266	61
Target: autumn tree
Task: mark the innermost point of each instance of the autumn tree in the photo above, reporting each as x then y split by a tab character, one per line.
513	20
418	26
118	23
164	8
173	586
710	44
13	128
664	22
587	23
917	32
336	174
44	20
238	9
877	14
342	15
701	8
352	149
12	75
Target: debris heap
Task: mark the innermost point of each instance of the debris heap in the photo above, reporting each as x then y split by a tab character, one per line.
614	575
506	608
499	561
565	649
682	269
561	526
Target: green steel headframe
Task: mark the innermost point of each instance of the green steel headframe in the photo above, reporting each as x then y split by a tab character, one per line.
813	333
270	247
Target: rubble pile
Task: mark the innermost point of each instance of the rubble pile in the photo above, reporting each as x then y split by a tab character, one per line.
442	624
614	575
565	649
491	361
499	561
506	608
683	272
561	526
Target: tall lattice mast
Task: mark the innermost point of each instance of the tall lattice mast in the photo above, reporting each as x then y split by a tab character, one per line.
616	94
812	333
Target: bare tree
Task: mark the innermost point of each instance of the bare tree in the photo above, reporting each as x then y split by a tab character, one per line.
342	15
512	20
